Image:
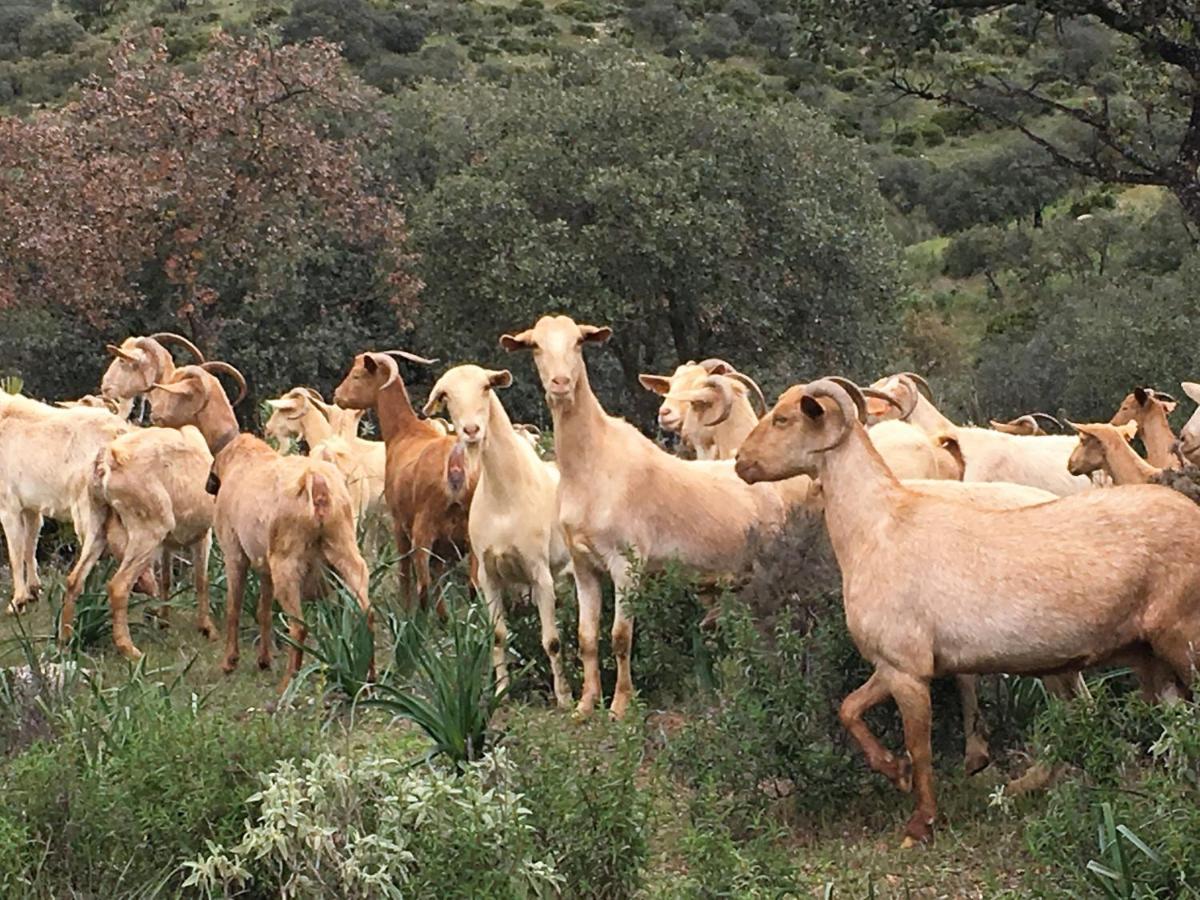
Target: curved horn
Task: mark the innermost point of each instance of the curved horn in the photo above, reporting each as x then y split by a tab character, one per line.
854	392
921	384
530	429
882	395
1162	395
214	366
717	367
725	392
170	337
313	396
382	359
843	392
411	357
753	386
1048	418
114	350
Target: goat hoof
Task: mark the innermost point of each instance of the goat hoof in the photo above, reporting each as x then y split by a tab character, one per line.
229	664
207	630
130	652
919	830
976	763
564	701
14	609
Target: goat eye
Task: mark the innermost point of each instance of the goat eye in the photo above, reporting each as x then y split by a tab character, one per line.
701	404
779	422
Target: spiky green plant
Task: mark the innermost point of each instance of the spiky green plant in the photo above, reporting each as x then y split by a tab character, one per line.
1115	876
12	384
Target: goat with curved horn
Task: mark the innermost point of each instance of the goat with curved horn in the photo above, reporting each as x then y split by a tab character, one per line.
718	384
919	382
215	366
170	337
754	389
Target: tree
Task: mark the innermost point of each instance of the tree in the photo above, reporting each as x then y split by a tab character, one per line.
1111	88
209	196
622	195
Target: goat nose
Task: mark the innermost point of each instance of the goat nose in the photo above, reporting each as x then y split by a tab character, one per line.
559	381
470	430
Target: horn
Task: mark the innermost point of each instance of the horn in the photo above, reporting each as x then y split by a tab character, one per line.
848	397
753	386
214	366
170	337
313	396
921	384
388	363
1162	395
531	429
411	357
717	367
855	393
117	351
1048	418
718	384
884	396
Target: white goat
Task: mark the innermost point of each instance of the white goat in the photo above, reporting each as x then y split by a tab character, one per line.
1189	436
934	586
47	459
621	494
513	521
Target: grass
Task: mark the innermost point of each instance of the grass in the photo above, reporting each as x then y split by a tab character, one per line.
978	851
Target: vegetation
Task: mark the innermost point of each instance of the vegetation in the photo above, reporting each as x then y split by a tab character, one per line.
1001	196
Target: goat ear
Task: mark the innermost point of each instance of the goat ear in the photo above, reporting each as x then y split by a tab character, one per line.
877	407
522	341
1192	389
500	379
595	334
369	364
1141	395
659	384
1128	430
434	403
811	407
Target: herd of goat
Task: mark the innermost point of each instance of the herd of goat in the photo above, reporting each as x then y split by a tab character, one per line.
963	550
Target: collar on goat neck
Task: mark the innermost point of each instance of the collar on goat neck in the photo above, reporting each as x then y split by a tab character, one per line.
859	490
577	427
223	441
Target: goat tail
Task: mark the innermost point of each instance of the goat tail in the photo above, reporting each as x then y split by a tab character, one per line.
949	442
457	471
316	488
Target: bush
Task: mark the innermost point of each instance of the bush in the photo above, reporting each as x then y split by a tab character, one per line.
375	826
955	121
589	804
932	135
132	783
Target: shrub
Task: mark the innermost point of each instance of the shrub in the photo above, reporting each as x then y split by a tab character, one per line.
376	827
906	136
932	135
525	15
132	783
589	803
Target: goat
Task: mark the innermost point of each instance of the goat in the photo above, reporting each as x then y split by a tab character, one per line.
620	494
331	435
708	405
1149	409
138	363
934	586
1106	447
428	480
1189	436
154	481
47	457
987	455
285	516
513	522
1029	425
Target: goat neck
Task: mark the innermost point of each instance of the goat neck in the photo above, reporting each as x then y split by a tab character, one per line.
503	457
1123	464
929	418
856	486
217	423
314	427
1157	436
397	418
578	429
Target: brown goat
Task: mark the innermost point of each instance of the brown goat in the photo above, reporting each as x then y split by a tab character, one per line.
428	482
1103	446
286	516
934	586
1149	409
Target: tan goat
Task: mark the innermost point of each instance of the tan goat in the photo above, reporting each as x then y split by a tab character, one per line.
708	405
1106	447
1148	409
1189	436
620	494
332	435
285	516
934	586
154	481
138	363
513	522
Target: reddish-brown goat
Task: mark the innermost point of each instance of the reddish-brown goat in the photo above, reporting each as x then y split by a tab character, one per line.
428	482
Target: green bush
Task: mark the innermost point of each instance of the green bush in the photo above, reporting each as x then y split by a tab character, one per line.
588	801
132	783
375	826
906	136
932	135
955	121
525	15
